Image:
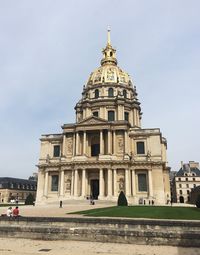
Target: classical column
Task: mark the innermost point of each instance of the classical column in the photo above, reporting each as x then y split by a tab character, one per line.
72	184
150	183
76	183
109	182
83	183
127	186
101	181
84	143
63	152
114	142
101	143
74	144
109	141
77	143
62	183
134	117
46	183
125	141
133	183
115	182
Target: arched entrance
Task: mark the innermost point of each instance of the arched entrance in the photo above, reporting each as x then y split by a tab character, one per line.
94	188
181	198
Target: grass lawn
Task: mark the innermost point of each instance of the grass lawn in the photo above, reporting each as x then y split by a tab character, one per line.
154	212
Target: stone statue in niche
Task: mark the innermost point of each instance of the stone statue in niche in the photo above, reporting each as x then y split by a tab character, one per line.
68	185
120	144
69	146
121	184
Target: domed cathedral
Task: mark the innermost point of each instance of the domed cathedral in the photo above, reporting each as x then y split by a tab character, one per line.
106	151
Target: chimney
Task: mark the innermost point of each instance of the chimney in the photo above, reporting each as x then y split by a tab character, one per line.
182	164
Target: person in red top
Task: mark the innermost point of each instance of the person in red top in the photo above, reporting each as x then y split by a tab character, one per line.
16	212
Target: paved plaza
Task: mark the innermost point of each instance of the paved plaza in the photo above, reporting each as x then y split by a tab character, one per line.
32	247
13	246
53	210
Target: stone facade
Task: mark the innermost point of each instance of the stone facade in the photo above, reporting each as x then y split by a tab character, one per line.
186	179
106	151
15	189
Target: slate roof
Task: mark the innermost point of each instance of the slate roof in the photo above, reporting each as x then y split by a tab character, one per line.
7	181
182	171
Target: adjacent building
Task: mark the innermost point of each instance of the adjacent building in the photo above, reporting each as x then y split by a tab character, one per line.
15	189
186	179
106	150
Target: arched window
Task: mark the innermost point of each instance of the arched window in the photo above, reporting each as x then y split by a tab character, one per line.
96	93
124	93
110	92
111	54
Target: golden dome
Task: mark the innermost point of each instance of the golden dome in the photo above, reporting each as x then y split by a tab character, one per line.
109	72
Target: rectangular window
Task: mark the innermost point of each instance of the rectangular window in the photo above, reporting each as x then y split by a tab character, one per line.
54	183
140	148
142	182
56	150
96	114
126	116
111	115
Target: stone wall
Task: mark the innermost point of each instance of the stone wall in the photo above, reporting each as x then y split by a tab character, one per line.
135	231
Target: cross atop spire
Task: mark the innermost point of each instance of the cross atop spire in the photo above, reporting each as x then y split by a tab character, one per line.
108	33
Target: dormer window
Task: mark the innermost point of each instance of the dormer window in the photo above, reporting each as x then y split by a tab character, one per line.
96	93
96	114
111	54
110	92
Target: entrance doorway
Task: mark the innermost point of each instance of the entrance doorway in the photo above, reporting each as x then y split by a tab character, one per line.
181	199
95	189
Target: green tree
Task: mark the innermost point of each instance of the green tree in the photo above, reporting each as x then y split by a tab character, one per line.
198	201
29	200
122	201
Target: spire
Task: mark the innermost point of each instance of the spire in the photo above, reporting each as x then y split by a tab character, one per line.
109	52
108	34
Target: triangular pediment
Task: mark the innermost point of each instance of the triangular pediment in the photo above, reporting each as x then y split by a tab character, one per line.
92	120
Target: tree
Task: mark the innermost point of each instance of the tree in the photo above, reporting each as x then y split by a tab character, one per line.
29	200
122	201
198	201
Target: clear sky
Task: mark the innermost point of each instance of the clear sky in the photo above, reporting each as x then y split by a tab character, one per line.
48	49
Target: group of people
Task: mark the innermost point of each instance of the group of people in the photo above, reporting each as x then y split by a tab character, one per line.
12	212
